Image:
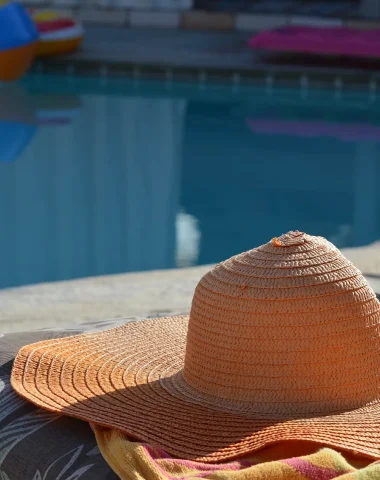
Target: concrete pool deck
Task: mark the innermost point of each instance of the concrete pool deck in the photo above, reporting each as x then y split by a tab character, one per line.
68	304
200	56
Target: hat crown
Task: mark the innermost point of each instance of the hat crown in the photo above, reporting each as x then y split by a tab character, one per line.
289	326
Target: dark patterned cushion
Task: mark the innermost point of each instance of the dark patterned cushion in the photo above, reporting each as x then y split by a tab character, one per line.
38	445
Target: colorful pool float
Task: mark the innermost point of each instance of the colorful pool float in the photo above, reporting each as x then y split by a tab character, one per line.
18	41
58	33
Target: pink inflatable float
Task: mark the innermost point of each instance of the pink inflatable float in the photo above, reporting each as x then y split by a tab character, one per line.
320	40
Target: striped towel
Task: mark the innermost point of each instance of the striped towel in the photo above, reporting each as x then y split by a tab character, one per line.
138	461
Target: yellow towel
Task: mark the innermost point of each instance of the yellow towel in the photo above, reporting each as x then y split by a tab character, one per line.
288	460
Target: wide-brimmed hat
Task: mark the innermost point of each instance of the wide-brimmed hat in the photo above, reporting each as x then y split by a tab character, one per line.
282	343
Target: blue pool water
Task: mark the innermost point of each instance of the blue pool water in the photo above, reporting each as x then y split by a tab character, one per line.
105	177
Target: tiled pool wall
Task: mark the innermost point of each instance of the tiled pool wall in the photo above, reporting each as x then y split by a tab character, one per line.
219	14
366	84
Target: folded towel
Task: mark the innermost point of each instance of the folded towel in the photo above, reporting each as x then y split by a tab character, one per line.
287	460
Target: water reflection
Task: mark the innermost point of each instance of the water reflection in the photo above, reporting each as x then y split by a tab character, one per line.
254	182
97	195
23	113
188	239
107	180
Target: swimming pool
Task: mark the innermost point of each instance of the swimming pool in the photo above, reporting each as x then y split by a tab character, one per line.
107	176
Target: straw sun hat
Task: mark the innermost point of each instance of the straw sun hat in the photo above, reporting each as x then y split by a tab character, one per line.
282	343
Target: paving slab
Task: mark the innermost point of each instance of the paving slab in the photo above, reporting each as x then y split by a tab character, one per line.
66	304
322	8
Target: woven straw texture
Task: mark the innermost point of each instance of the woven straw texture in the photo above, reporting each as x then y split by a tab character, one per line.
282	343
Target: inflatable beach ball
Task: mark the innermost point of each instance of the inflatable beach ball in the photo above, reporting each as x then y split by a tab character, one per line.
58	33
18	41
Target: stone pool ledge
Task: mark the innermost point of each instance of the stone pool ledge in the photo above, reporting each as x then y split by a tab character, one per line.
201	56
68	304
